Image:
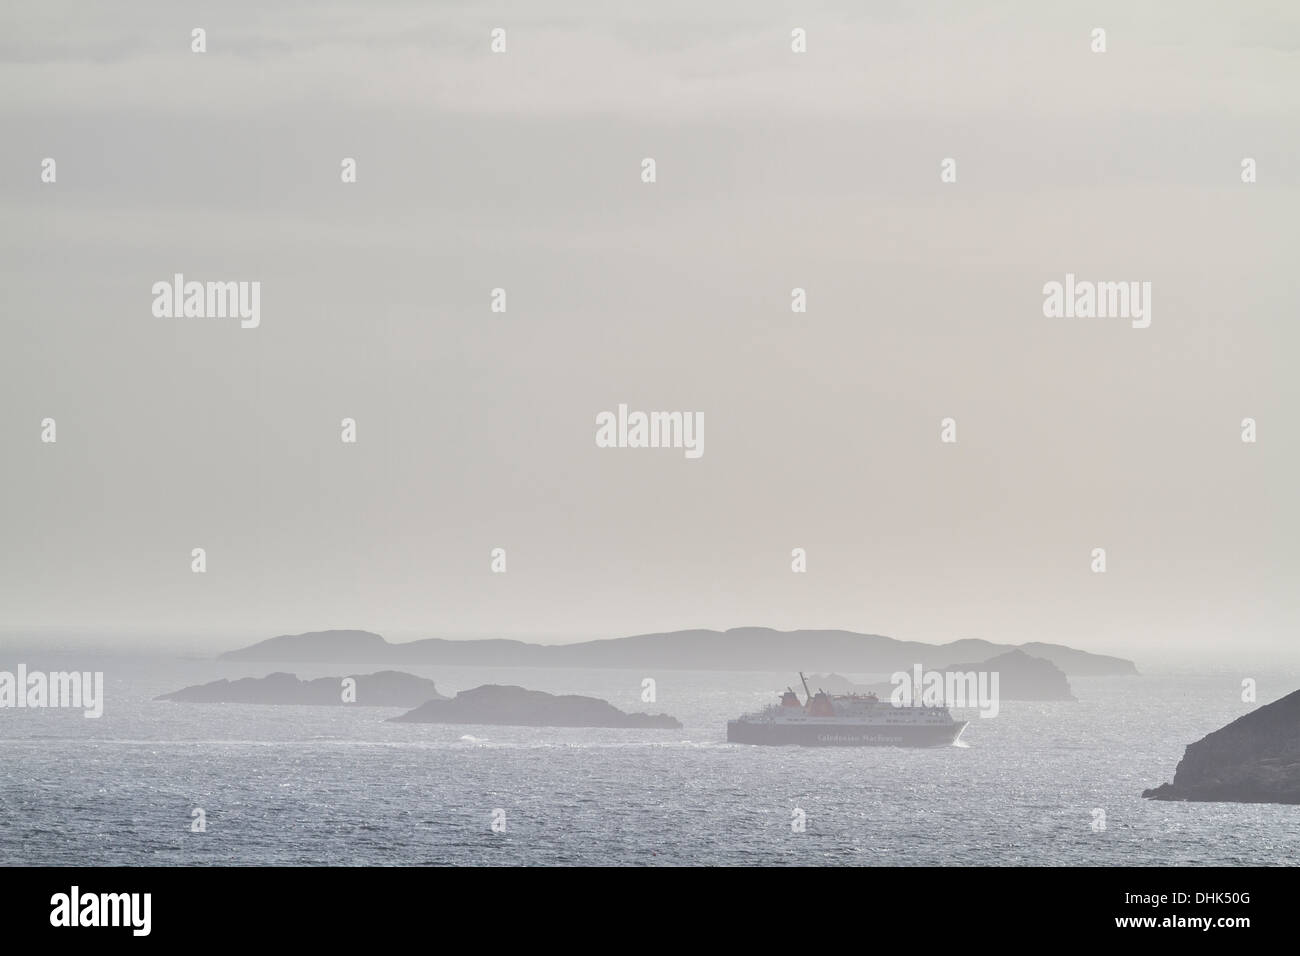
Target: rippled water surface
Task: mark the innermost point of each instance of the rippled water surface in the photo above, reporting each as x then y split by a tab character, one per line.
340	785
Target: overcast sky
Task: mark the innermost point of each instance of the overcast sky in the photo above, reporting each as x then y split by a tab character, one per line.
775	170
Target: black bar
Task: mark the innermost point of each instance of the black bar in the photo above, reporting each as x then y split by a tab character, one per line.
911	907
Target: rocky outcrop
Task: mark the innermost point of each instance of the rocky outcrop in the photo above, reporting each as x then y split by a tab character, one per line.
1077	663
382	689
1021	676
1254	759
516	706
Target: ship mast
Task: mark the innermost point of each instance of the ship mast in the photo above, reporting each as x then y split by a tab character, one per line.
807	692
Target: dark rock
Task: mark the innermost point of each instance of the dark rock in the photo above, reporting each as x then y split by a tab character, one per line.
516	706
382	689
1254	759
1077	663
1022	676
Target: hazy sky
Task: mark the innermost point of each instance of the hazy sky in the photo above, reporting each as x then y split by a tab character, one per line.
775	170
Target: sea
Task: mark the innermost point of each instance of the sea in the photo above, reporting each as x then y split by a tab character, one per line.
1050	783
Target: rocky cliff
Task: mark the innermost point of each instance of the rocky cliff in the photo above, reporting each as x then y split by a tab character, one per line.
1254	759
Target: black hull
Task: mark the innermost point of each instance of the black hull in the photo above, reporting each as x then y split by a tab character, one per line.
822	735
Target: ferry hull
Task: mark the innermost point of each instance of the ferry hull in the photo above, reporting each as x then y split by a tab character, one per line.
840	735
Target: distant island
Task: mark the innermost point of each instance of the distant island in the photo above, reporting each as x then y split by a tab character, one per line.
739	649
839	684
1021	676
514	706
1254	759
382	689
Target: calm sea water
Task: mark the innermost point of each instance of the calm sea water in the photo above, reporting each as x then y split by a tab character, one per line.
317	785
